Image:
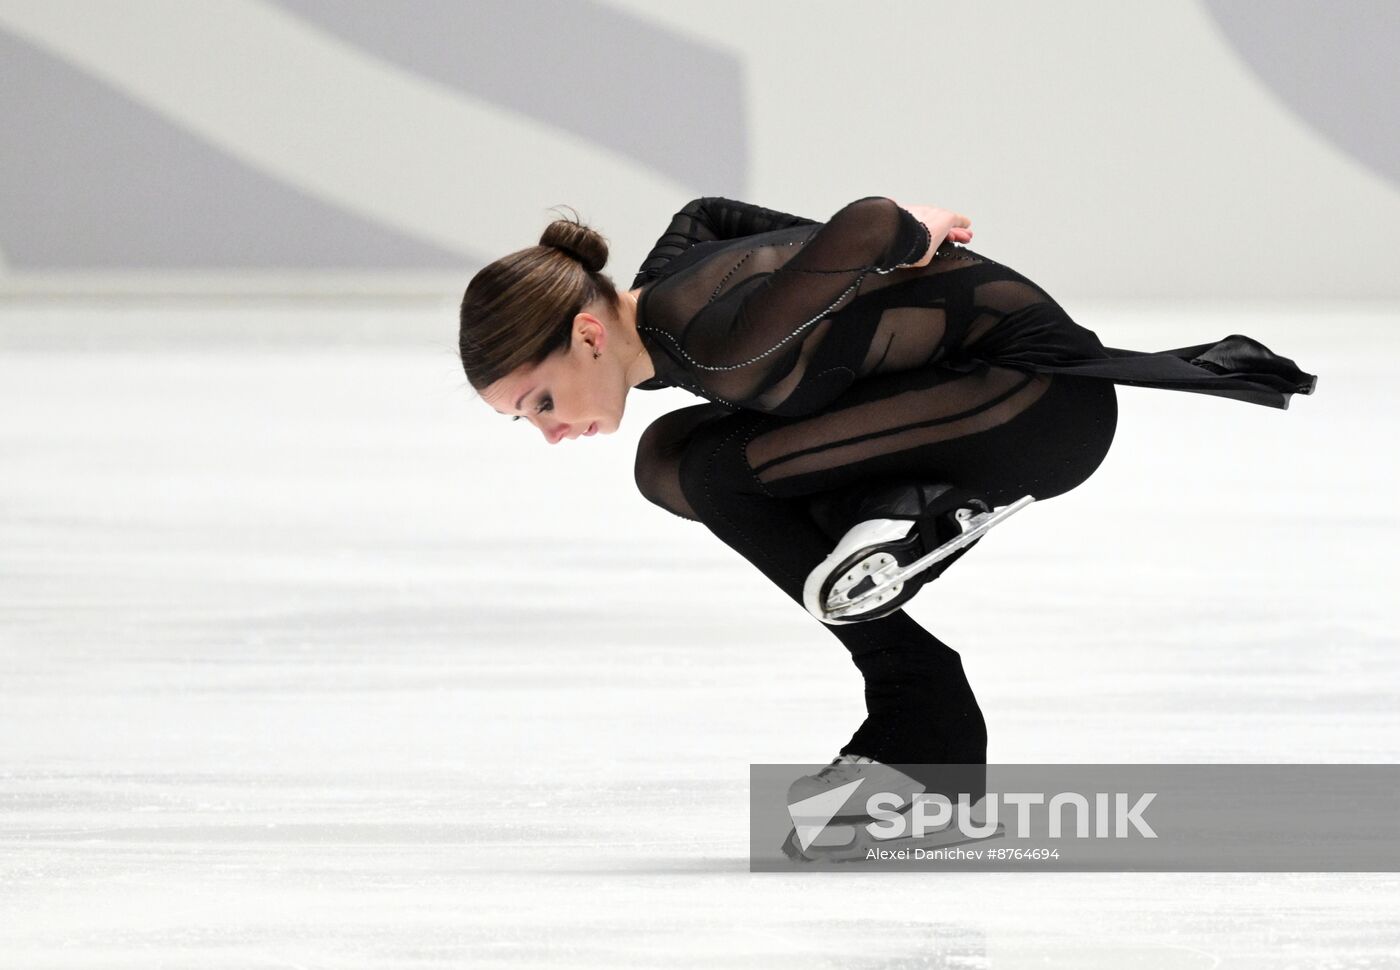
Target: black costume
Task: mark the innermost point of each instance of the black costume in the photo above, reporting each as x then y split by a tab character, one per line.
837	374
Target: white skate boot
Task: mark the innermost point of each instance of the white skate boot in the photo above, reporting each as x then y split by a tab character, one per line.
882	561
832	820
845	769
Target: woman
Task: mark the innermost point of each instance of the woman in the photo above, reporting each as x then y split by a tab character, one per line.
871	384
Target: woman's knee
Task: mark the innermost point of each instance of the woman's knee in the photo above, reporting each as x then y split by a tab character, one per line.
714	463
656	469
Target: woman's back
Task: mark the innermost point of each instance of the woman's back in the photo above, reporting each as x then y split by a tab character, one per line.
783	321
760	310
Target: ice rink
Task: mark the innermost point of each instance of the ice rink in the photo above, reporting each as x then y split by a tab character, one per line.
311	660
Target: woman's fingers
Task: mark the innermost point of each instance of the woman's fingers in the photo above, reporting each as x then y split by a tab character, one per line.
942	224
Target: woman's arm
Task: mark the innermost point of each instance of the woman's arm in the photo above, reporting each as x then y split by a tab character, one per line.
709	219
759	316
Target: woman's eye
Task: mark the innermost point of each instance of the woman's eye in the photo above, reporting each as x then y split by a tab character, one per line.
545	405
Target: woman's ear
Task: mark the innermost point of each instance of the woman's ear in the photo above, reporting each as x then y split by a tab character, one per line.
589	329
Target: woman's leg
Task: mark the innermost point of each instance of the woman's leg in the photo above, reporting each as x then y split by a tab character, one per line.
920	706
1001	433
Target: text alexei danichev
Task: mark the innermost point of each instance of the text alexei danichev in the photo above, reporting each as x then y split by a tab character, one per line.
903	855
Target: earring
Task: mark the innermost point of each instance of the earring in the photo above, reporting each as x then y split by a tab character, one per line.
595	355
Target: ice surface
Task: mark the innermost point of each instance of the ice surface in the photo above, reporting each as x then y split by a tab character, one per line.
312	660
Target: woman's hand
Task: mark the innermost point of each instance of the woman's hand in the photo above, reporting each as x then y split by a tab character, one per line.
942	224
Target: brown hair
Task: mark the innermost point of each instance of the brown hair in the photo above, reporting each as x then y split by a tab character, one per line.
521	308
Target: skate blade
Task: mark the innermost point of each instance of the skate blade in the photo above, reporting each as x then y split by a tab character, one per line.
976	527
835	848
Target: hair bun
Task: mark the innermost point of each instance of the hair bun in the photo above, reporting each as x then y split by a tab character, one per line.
582	243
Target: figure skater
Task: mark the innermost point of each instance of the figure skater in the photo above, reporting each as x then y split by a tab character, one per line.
876	392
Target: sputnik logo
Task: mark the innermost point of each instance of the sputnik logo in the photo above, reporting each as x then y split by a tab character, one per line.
811	815
888	815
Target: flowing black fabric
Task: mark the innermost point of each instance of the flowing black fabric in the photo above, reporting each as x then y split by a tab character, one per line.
837	374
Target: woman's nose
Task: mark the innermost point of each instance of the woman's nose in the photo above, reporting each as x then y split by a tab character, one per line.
557	434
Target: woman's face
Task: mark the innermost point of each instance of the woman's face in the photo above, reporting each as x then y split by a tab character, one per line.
569	394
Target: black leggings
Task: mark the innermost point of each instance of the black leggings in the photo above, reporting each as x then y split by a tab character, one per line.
780	491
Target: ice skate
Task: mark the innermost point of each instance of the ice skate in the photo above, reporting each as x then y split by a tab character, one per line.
831	821
883	560
844	770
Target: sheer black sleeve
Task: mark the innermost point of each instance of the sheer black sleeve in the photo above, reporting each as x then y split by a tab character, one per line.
747	318
707	220
759	314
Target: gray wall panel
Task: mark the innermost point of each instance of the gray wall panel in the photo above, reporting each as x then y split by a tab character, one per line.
1320	60
94	181
672	102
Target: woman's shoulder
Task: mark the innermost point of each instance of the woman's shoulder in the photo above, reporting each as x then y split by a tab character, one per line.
727	253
